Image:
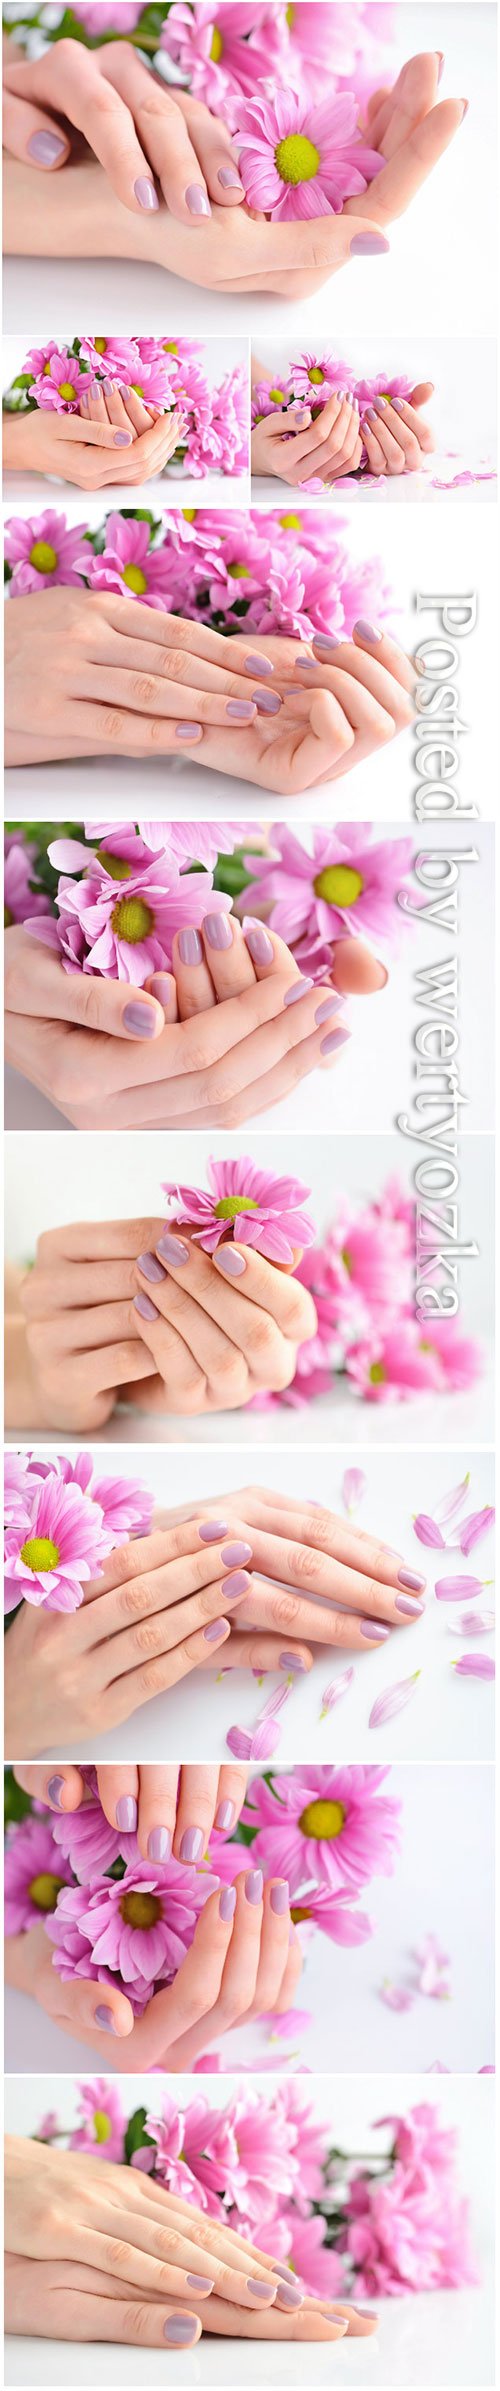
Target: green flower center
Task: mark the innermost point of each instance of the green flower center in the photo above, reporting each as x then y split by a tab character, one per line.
216	46
132	920
141	1909
230	1206
115	865
135	579
44	1890
296	159
278	396
323	1819
239	572
101	2123
137	386
67	390
40	1553
339	884
43	557
315	373
377	1374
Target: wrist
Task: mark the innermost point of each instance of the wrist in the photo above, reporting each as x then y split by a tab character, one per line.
15	441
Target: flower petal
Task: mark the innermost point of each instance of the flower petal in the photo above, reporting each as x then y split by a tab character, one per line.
353	1487
428	1531
453	1589
395	1698
474	1664
475	1526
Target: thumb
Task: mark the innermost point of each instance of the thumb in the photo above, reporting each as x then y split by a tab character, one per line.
61	1788
289	419
91	2009
43	988
422	393
99	435
29	133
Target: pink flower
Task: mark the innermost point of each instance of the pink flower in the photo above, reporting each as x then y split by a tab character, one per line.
319	2269
20	898
326	1826
103	2127
334	1914
37	362
410	1359
137	1928
45	553
335	1692
474	1664
131	565
256	1206
128	929
118	359
432	1969
16	1498
97	18
297	158
35	1873
347	887
62	386
312	375
90	1843
180	2140
382	386
408	2232
65	1545
126	1504
222	49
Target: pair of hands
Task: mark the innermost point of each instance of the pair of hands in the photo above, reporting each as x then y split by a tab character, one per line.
309	1579
299	449
114	438
104	675
97	2252
140	134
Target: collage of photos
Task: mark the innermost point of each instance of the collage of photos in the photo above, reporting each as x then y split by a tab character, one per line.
250	553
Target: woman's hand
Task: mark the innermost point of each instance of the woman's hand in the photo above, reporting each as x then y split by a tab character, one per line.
169	1809
104	675
137	129
104	444
394	436
306	1561
321	449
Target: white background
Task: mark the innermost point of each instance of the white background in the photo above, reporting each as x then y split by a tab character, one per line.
461	415
219	358
440	270
423	552
436	1886
439	2339
374	1078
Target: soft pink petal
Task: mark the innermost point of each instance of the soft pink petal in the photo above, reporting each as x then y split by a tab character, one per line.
395	1698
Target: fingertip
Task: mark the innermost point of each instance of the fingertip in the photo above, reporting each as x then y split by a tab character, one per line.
141	1019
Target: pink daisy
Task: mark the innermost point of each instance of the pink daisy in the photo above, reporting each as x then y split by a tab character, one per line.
103	2123
253	1205
35	1873
37	362
97	18
118	359
20	898
16	1495
137	1928
89	1842
131	565
66	1545
45	553
311	373
319	2268
347	887
412	1358
222	47
126	1505
184	2140
382	386
63	386
128	933
299	158
330	1826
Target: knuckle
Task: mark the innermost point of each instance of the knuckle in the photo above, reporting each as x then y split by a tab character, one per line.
283	1368
144	688
147	1636
113	725
175	662
136	2321
117	2254
154	730
285	1609
135	1599
260	1340
305	1564
153	1678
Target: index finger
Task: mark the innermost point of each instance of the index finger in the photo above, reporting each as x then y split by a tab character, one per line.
211	1283
97	1240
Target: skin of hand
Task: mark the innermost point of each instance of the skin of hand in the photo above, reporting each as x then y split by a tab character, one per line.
238	252
107	675
88	449
306	1561
163	1805
325	445
227	1033
394	435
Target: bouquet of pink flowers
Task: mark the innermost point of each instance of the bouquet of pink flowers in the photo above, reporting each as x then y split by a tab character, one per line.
61	1522
263	571
166	374
315	378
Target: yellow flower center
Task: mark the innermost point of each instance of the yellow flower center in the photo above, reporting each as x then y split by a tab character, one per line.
40	1553
43	1891
137	386
296	159
239	572
216	46
298	1915
135	579
67	390
230	1206
141	1909
101	2123
132	920
291	522
324	1820
171	347
278	397
43	557
7	918
315	373
101	345
115	865
377	1374
290	15
339	884
189	513
47	367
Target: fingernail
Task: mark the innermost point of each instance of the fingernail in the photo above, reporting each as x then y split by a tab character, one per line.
407	1577
260	666
227	1903
200	2282
261	2291
216	1629
217	929
122	440
408	1605
179	2329
190	946
147	1310
104	2017
332	1004
380	405
229	179
84	404
140	1020
266	701
45	147
291	1660
159	1843
289	2295
299	988
173	1250
95	390
145	193
126	1813
260	947
230	1262
224	1819
54	1789
302	418
368	244
107	385
279	1899
191	1844
371	2312
235	1586
188	730
285	2271
370	416
240	709
368	631
150	1267
440	58
399	405
337	1038
162	989
197	200
327	643
335	2318
254	1885
373	1629
212	1530
305	664
465	105
236	1555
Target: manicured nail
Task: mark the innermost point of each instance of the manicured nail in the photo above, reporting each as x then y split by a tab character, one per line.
368	244
191	1844
407	1577
212	1530
227	1903
332	1004
370	416
305	664
224	1817
337	1038
54	1789
95	390
217	929
197	200
260	947
259	665
179	2330
254	1886
45	147
279	1899
240	709
200	2282
327	643
173	1250
373	1629
291	1660
148	1311
261	2291
380	405
84	404
266	701
159	1843
190	946
286	2271
399	405
151	1269
230	1262
236	1555
140	1020
440	58
104	2017
368	631
302	417
145	193
335	2318
229	179
289	2295
161	987
122	439
372	2313
126	1813
298	988
188	730
216	1629
236	1586
408	1605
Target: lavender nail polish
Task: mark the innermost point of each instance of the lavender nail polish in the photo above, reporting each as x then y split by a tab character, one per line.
190	946
236	1586
407	1577
337	1038
212	1531
197	200
368	244
216	1629
261	2291
289	2296
161	988
224	1818
159	1843
122	440
126	1813
231	1263
279	1900
55	1788
291	1661
227	1903
266	701
179	2330
188	730
95	390
368	631
145	193
191	1845
260	666
327	646
84	404
298	988
373	1630
240	709
407	1604
332	1004
140	1020
200	2282
173	1251
236	1555
45	147
302	418
400	408
151	1269
217	929
229	179
148	1311
254	1886
104	2017
285	2271
260	947
305	664
381	405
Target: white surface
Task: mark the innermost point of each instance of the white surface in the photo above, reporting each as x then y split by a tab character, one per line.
374	1079
440	270
461	414
436	1885
219	357
449	1717
441	2339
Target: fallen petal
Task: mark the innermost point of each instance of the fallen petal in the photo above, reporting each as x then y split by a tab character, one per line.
473	1623
428	1531
452	1589
474	1664
334	1693
451	1503
353	1487
395	1698
475	1526
396	1996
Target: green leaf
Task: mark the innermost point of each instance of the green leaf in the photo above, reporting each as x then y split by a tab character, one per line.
136	2137
16	1803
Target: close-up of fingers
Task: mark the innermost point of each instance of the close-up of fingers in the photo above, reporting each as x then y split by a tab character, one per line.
195	1812
174	159
61	1788
215	1360
29	133
244	1897
277	2324
218	158
118	1792
193	979
274	1945
157	1802
227	955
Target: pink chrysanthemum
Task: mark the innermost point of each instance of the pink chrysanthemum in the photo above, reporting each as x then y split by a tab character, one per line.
318	2267
45	553
347	887
97	18
382	386
37	362
117	359
127	917
62	386
125	1503
223	47
131	566
66	1544
328	1826
137	1928
20	899
299	158
313	376
89	1842
183	2141
103	2126
35	1873
253	1205
16	1491
413	1358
